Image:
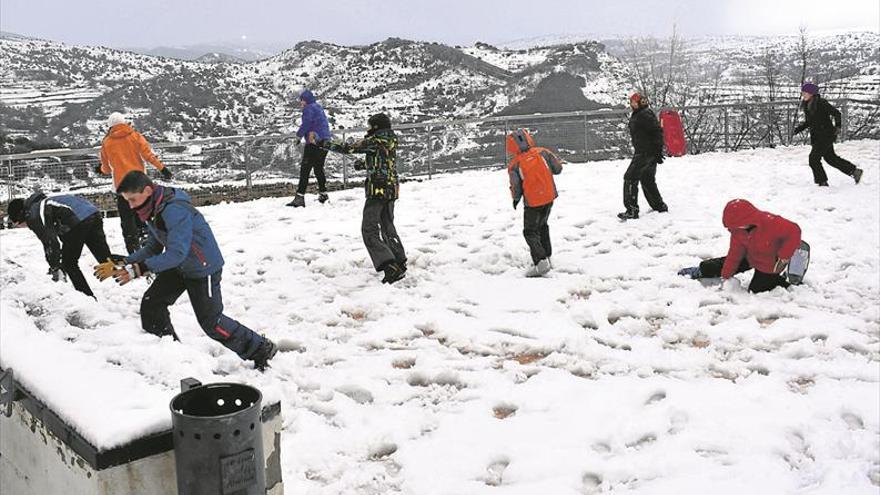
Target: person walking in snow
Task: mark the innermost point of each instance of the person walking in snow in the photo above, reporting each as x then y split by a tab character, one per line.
63	223
123	150
531	170
182	252
647	141
316	131
382	190
759	240
819	113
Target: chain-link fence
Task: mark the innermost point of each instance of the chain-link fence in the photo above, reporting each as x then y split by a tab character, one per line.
239	168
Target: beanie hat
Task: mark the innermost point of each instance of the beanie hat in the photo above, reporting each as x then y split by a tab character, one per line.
639	98
810	88
379	121
15	211
115	118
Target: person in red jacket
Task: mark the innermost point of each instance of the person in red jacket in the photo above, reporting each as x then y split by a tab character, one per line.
531	172
759	240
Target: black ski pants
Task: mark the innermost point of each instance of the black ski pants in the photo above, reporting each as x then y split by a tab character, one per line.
207	303
133	230
537	232
89	232
761	282
380	234
642	168
825	150
313	157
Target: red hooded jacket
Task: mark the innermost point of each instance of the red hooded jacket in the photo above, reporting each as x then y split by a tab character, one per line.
771	238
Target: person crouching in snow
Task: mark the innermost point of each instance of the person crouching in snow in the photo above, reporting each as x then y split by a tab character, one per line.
759	240
72	220
182	252
382	189
531	170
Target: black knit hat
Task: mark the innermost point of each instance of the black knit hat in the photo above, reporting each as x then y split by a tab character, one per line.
379	121
15	211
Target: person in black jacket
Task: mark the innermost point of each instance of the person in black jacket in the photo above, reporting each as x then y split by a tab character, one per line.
647	140
819	114
382	189
72	220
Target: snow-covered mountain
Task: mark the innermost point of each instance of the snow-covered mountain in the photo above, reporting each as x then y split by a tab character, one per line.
53	91
53	94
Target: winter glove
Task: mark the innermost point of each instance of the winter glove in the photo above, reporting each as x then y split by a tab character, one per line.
515	203
120	271
57	275
659	158
98	169
780	265
360	164
166	174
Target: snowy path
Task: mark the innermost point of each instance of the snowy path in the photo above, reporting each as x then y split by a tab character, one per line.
613	375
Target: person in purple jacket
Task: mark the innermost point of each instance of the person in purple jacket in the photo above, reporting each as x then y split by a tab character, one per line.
316	131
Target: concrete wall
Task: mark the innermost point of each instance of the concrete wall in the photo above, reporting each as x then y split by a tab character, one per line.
34	461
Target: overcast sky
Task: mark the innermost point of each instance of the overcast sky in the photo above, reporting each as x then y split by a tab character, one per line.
150	23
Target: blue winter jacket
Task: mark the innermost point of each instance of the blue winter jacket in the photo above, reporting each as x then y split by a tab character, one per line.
313	119
180	238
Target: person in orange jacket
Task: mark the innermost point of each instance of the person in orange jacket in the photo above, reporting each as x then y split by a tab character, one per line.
122	151
759	240
531	170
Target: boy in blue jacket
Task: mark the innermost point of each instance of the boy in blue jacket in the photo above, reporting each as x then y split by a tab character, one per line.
182	252
316	131
64	224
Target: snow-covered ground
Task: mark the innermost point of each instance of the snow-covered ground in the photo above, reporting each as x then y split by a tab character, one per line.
612	375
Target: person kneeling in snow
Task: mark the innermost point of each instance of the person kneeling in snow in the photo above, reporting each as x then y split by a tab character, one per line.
71	219
382	189
531	172
182	251
759	240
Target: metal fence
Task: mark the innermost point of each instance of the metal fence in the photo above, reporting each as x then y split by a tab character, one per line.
239	168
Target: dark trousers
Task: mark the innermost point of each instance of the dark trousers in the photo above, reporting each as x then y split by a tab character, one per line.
207	302
313	158
89	232
825	150
761	282
537	232
380	235
642	169
133	230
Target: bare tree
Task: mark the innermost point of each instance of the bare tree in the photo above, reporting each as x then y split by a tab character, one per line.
803	51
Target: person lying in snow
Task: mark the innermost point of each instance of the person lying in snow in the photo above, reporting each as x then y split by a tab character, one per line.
72	220
759	240
182	251
382	189
531	170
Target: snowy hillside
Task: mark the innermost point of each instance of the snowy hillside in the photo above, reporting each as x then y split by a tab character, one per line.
612	375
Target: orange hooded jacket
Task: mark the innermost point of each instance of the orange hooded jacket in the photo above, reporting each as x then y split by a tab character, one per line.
123	150
531	170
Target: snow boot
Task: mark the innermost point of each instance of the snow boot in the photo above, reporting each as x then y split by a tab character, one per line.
857	175
265	352
823	184
298	201
539	270
662	209
323	198
628	215
393	273
692	272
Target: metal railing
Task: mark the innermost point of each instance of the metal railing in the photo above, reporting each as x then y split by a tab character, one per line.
238	168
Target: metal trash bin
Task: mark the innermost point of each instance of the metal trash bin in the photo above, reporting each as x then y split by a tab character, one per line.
218	440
